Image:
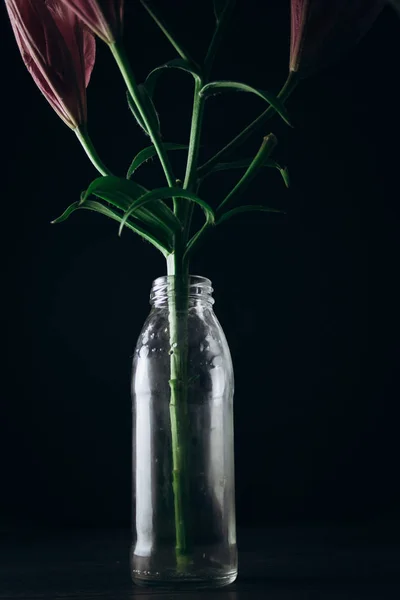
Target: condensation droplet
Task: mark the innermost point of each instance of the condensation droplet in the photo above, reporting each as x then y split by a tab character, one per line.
144	352
152	336
174	345
154	349
166	330
201	347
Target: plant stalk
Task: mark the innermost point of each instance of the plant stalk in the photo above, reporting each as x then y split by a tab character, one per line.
126	72
87	144
190	182
244	135
178	303
217	37
167	32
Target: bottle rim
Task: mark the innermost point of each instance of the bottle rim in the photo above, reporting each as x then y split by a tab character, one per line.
200	289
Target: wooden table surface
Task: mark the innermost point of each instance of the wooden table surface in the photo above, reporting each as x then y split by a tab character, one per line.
279	563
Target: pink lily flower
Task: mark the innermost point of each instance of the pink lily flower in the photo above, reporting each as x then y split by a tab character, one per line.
58	52
103	17
321	30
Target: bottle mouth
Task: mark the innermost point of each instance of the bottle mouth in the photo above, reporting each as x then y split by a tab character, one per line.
199	290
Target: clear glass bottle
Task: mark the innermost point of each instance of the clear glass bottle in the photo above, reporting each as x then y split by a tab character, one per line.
203	517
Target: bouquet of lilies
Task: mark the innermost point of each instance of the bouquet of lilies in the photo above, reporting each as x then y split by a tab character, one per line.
57	40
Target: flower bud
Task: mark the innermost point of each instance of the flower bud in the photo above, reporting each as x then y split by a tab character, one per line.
58	52
104	18
322	30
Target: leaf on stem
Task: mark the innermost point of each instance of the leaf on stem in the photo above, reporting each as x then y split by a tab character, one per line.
176	63
219	7
166	29
148	153
168	192
95	206
216	87
246	162
267	146
110	187
246	208
68	211
122	192
135	111
285	175
149	107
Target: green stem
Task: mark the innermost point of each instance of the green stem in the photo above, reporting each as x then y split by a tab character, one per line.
269	143
285	92
217	37
87	144
190	182
178	299
166	31
126	71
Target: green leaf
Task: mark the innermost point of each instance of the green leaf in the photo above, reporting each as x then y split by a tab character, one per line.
177	63
246	162
248	208
219	7
68	211
122	192
216	87
149	107
285	175
108	212
169	192
166	29
110	187
262	156
148	153
135	111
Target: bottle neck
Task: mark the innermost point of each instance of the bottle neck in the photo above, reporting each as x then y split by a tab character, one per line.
199	291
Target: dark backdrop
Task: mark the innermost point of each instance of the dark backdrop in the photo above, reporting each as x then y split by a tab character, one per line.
309	302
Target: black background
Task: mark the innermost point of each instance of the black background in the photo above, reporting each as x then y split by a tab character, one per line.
309	302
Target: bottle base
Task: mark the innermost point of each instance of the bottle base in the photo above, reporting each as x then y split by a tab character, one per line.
174	579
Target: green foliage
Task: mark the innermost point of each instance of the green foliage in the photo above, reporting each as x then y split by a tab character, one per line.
216	87
246	162
219	7
148	153
95	206
145	211
267	146
168	192
122	192
148	106
246	208
177	63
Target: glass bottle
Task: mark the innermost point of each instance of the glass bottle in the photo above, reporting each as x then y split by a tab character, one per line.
186	538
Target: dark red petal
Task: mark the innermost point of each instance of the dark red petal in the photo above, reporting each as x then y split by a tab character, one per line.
53	46
321	31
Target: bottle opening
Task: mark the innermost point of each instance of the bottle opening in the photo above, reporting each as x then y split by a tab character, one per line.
199	290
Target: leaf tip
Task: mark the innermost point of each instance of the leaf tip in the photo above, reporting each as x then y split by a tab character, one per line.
271	139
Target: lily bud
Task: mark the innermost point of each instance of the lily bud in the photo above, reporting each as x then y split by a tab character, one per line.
103	17
58	52
322	30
